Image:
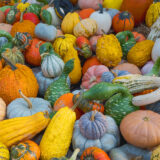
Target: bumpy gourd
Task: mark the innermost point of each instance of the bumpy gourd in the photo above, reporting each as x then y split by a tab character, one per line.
4	152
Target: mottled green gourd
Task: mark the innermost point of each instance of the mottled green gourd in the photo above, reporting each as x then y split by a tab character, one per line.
60	86
118	99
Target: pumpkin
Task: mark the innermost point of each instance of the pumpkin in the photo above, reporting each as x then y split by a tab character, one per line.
66	100
112	12
86	27
4	152
74	2
140	53
25	150
94	153
8	82
1	64
49	32
123	21
32	55
94	129
32	17
147	67
5	27
152	14
156	50
137	8
34	8
103	19
131	68
85	13
52	65
115	4
138	36
93	76
2	17
72	19
2	109
93	41
141	122
83	4
108	50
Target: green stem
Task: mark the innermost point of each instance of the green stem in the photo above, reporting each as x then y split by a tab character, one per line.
101	8
21	17
78	101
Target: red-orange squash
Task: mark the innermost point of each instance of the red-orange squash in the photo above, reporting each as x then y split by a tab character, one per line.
85	13
138	36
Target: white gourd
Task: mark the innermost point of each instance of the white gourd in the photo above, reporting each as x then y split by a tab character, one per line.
156	50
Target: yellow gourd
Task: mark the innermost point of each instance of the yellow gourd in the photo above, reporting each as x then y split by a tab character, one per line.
152	14
140	53
114	4
156	153
4	152
18	129
69	22
108	50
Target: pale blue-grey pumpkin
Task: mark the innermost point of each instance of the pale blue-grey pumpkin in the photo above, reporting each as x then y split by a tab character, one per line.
108	129
22	107
113	12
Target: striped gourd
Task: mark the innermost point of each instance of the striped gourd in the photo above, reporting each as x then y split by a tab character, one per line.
4	152
18	129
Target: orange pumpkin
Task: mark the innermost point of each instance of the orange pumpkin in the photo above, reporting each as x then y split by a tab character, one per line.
25	150
89	63
123	21
85	13
138	36
14	78
1	64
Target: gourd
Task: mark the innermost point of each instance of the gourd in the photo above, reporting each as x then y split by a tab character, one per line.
94	153
93	76
49	32
32	17
2	109
112	12
108	50
34	8
2	17
72	19
5	27
8	82
85	13
52	65
4	152
152	14
128	151
140	53
123	21
112	4
95	129
138	36
59	87
93	41
22	128
86	27
103	19
147	67
10	2
141	122
119	99
155	154
155	50
26	149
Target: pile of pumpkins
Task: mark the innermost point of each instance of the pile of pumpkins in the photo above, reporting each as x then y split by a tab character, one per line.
77	80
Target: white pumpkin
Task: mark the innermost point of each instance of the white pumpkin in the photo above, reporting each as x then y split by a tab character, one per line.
56	21
156	50
103	19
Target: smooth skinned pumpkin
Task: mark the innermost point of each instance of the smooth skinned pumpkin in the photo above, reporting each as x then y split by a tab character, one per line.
85	13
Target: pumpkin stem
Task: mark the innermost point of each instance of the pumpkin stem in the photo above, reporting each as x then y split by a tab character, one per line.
93	115
26	99
78	49
136	39
74	155
61	37
9	63
38	44
78	101
146	119
103	31
21	17
114	73
93	79
100	8
138	158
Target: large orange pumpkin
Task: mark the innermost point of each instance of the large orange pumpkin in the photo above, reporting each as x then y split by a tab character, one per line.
137	8
15	78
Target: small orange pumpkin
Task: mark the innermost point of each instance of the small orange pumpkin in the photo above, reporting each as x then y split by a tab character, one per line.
138	36
85	13
123	21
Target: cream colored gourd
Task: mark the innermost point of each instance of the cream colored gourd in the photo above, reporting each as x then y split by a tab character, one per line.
2	109
156	50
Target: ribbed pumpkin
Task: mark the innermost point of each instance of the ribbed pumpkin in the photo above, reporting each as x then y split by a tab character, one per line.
109	51
69	22
2	109
13	78
4	152
85	13
86	27
25	150
31	17
140	53
152	14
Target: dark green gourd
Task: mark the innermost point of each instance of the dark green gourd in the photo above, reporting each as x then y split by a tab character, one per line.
60	86
118	99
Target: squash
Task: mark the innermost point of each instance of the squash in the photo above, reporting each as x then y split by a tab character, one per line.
25	150
5	27
52	65
8	82
141	122
152	14
2	109
94	153
93	41
93	76
4	152
137	8
86	27
22	128
138	36
123	21
34	8
85	13
156	50
112	12
72	19
115	4
103	19
49	32
155	154
147	67
140	53
108	50
32	17
2	17
95	129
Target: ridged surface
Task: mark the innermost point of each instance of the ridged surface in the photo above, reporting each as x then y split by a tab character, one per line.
4	152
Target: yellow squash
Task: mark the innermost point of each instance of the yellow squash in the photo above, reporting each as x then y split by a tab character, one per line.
13	131
114	4
4	152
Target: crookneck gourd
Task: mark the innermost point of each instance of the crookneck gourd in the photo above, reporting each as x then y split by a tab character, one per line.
118	99
60	86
